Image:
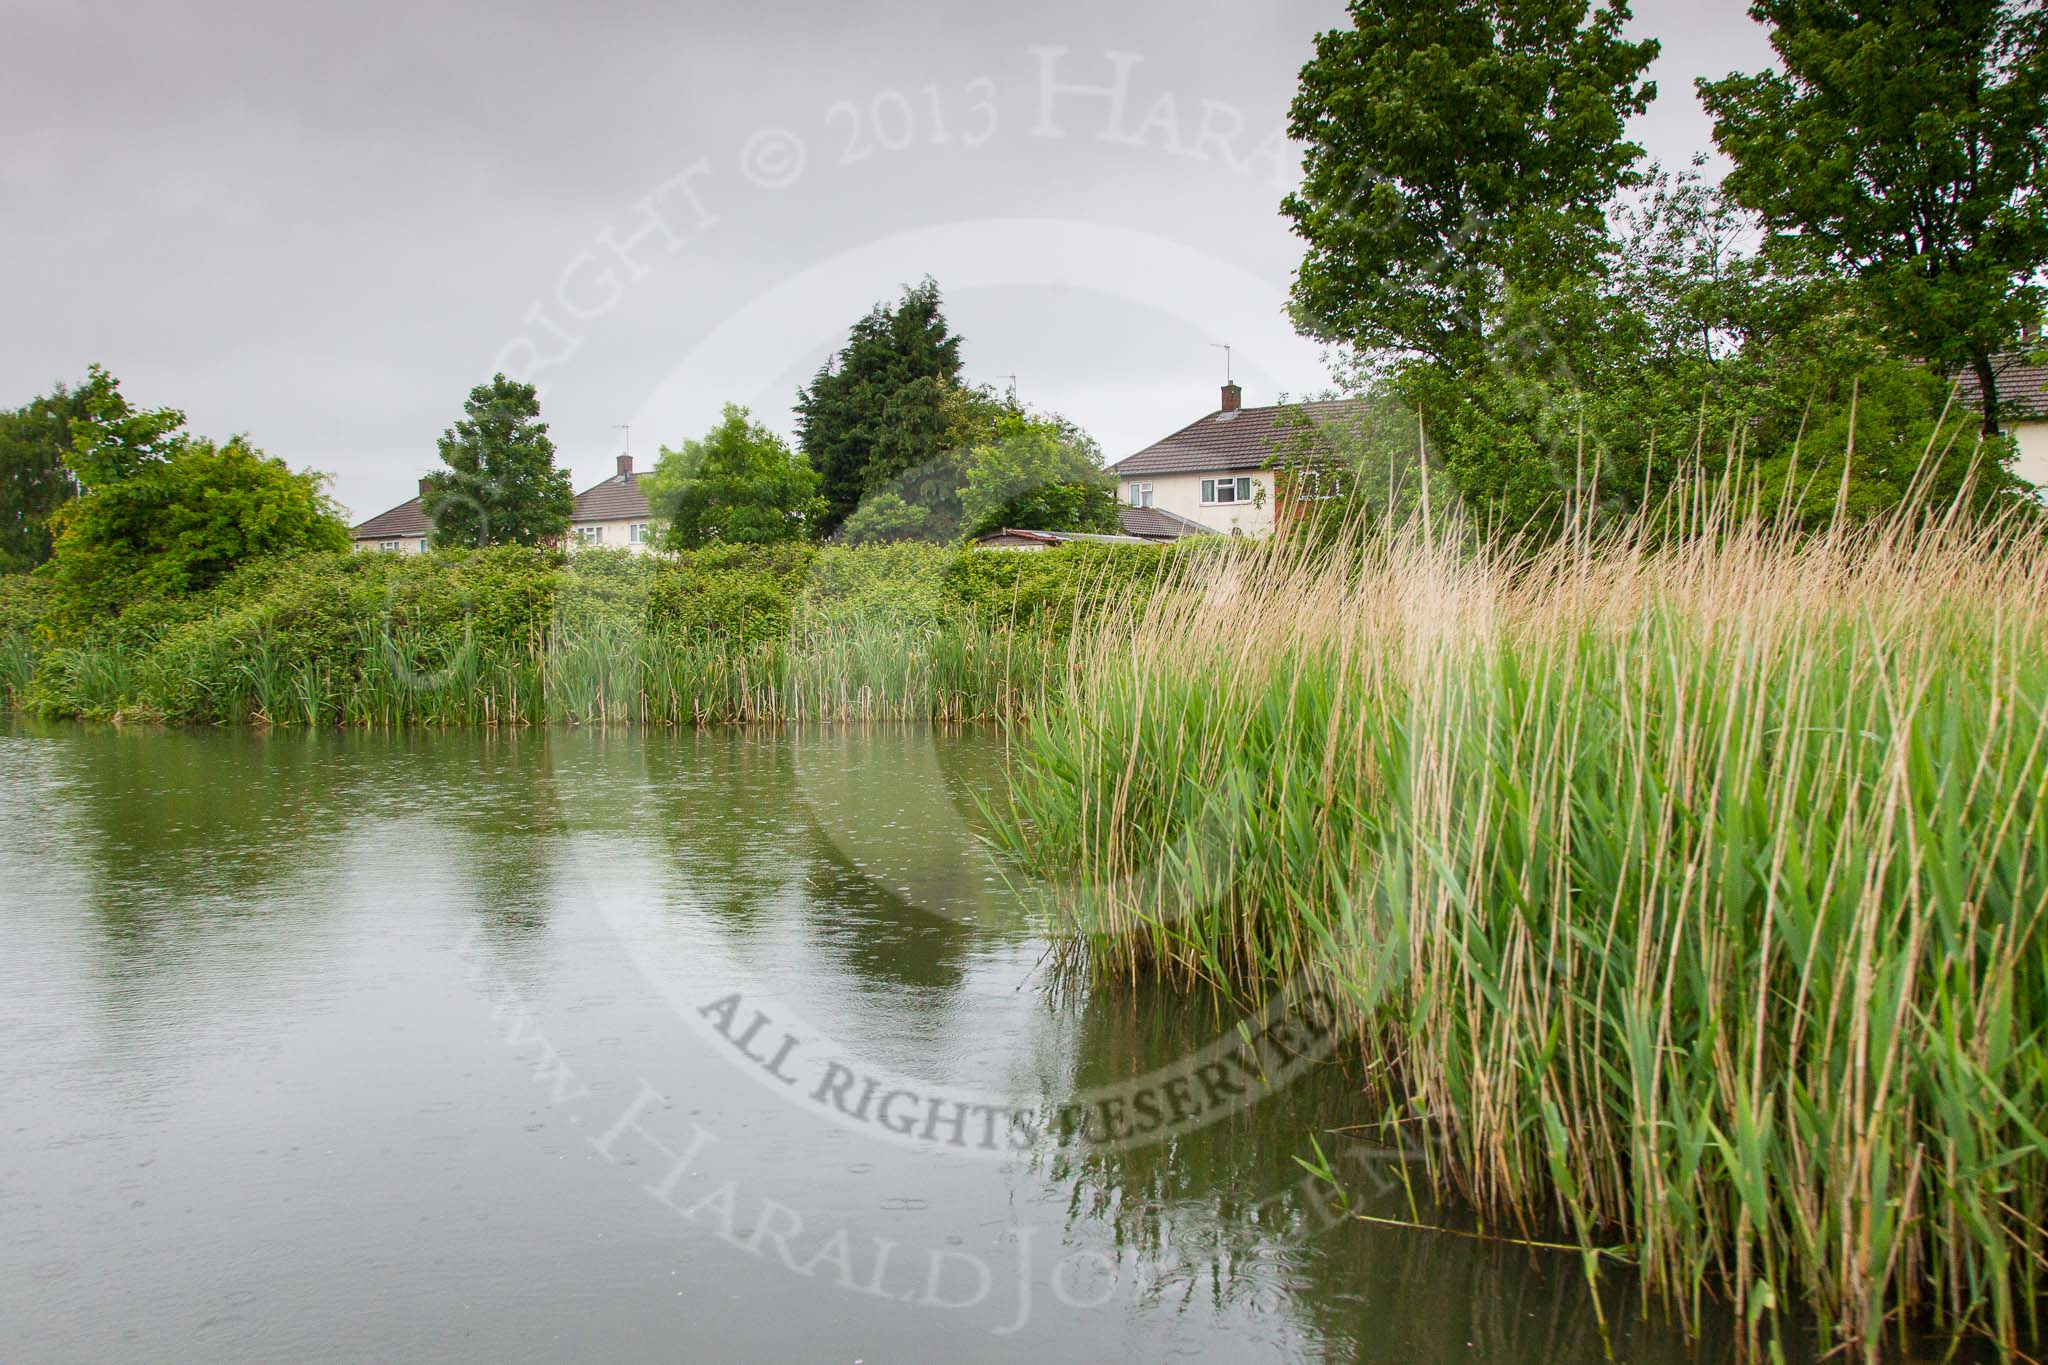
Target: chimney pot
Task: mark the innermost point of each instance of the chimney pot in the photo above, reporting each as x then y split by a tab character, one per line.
1232	396
625	466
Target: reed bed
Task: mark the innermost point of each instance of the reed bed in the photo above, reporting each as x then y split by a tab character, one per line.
1685	891
387	674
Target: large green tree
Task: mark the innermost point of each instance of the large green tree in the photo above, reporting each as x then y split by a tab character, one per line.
163	513
34	480
1906	141
501	486
884	405
1461	158
740	485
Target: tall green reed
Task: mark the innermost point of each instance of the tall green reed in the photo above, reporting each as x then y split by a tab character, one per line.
1686	888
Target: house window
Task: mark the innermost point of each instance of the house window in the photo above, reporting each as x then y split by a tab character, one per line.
423	544
1141	495
389	547
589	535
1223	491
637	533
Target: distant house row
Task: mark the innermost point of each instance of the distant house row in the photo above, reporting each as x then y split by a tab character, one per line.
1215	476
611	513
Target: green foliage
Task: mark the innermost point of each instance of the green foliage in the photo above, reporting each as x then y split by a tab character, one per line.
177	526
1040	473
1904	143
740	485
888	518
512	636
1005	467
24	603
501	486
35	440
885	405
1706	359
164	515
1076	586
739	594
111	440
1461	155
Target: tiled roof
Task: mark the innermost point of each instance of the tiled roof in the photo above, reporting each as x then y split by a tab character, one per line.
1156	523
403	522
1011	534
618	498
1249	438
2022	388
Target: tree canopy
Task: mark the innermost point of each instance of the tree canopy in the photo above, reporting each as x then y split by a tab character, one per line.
1906	142
34	478
1009	467
163	513
1460	154
501	486
740	485
1546	323
884	405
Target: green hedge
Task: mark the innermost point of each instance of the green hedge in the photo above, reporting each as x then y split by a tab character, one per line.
513	634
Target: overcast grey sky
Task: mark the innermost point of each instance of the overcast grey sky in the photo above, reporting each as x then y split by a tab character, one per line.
321	224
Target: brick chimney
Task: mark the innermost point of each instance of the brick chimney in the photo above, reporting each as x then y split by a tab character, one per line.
423	485
1232	397
625	467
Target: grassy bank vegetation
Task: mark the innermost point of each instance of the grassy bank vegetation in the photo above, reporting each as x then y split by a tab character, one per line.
512	636
1687	892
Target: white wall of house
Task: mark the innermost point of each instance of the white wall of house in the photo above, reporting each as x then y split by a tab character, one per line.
2031	463
637	536
398	545
1181	494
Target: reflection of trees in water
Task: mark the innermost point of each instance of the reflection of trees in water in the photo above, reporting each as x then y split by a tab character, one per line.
186	831
183	832
800	844
1222	1217
719	804
496	797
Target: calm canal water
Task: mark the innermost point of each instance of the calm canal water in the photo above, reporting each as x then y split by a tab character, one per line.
443	1046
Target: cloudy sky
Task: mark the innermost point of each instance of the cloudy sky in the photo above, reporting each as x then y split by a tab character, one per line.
320	224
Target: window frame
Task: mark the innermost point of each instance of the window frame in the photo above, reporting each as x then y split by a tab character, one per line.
1240	486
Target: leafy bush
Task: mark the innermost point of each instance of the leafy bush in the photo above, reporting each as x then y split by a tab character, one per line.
742	594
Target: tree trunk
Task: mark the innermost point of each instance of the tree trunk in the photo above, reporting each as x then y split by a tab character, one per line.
1987	379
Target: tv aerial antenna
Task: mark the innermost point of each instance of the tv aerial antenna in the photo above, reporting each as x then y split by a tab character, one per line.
1223	347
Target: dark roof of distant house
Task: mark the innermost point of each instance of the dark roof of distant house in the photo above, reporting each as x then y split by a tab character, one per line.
1018	537
1156	523
403	522
618	498
1249	438
2022	387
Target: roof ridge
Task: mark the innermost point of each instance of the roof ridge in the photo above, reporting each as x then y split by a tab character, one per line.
632	476
400	507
